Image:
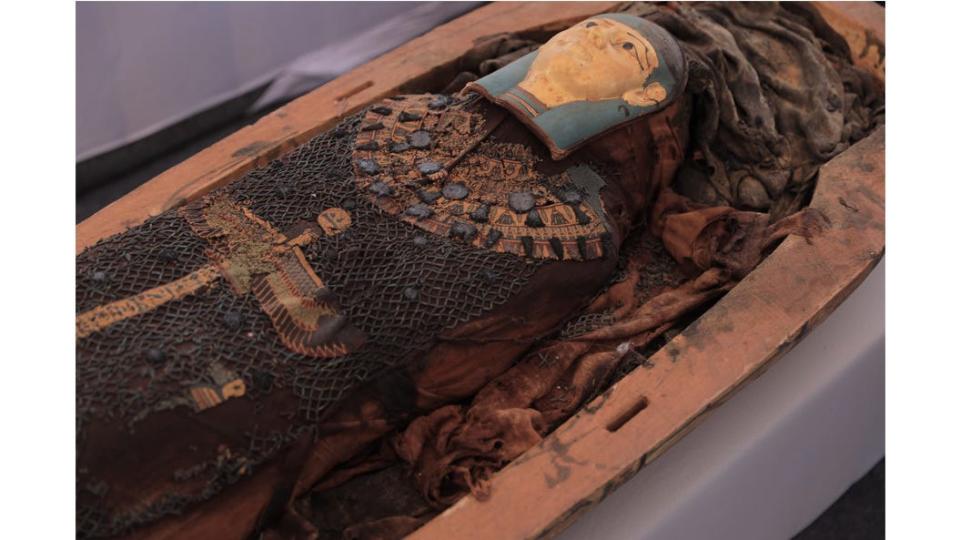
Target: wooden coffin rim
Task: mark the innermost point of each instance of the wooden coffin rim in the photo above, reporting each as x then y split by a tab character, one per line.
646	412
763	317
641	416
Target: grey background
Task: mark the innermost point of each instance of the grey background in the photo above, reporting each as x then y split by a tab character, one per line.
144	65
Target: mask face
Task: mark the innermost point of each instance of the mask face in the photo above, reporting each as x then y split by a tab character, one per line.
589	79
595	60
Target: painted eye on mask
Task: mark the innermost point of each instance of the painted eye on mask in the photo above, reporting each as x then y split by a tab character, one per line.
628	46
590	24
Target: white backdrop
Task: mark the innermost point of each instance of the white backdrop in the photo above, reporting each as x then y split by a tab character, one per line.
765	464
142	66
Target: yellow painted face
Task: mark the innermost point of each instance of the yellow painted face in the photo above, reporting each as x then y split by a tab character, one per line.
595	60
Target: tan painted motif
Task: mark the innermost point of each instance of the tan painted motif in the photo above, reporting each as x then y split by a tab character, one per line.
226	385
245	242
490	171
103	316
253	257
595	60
256	258
334	221
303	310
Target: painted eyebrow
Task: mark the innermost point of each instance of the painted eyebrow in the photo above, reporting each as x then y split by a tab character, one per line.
645	62
637	56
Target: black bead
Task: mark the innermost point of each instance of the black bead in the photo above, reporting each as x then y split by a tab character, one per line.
323	296
439	102
571	197
411	293
349	204
329	255
381	189
489	276
283	190
368	166
521	202
492	238
533	219
407	116
527	242
232	320
420	240
582	246
429	167
419	211
465	231
262	380
398	147
606	240
582	218
339	132
156	356
481	214
419	139
372	127
380	109
168	255
99	276
455	191
428	197
557	246
369	145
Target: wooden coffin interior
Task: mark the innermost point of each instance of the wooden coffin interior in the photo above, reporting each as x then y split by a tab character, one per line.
640	416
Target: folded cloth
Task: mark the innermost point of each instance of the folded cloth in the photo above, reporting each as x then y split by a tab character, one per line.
775	95
457	448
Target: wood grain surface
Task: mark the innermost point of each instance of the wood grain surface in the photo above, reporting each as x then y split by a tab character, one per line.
862	26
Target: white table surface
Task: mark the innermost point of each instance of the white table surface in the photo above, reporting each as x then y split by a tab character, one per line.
778	453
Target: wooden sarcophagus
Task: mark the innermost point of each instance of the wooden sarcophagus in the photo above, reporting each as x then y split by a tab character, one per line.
470	287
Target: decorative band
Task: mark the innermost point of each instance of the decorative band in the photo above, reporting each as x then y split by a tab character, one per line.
103	316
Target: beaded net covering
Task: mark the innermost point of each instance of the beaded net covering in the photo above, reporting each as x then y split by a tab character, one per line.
396	285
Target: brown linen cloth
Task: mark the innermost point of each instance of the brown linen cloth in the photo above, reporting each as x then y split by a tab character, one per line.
775	96
186	495
706	227
457	448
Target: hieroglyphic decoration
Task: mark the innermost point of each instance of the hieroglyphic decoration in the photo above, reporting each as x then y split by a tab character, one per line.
334	221
303	309
255	257
103	316
252	257
225	385
430	163
243	243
